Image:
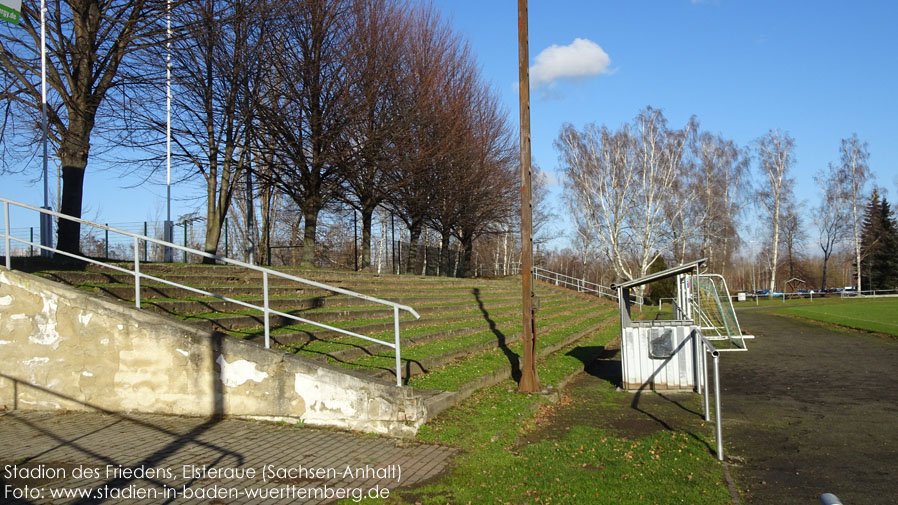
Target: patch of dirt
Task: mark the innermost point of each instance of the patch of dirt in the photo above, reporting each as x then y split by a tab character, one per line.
593	399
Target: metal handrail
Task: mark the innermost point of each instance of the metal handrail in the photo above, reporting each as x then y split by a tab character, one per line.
708	348
887	293
266	272
581	285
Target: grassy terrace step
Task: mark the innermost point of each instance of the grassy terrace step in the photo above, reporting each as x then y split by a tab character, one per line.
152	291
420	359
468	337
352	305
394	283
346	349
457	375
316	274
319	342
248	318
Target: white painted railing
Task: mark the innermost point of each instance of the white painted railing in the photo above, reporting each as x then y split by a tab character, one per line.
579	285
708	348
267	273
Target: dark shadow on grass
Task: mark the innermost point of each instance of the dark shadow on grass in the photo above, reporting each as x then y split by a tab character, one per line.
599	362
513	359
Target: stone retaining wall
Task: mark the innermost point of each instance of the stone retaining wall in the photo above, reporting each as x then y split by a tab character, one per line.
62	348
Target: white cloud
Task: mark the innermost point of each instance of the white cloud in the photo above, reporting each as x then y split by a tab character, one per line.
582	58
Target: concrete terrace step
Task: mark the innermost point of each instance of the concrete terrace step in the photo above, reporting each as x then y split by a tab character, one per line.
299	338
287	303
233	322
311	274
413	367
437	403
373	286
346	349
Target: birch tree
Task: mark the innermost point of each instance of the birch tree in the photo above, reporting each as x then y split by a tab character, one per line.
854	172
832	217
722	175
776	157
620	184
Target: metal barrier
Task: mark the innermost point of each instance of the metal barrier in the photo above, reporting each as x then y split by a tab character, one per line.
266	274
580	285
873	293
708	348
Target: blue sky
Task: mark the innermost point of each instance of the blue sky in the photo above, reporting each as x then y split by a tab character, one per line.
819	70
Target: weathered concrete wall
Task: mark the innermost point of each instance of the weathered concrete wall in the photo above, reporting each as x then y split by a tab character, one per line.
61	348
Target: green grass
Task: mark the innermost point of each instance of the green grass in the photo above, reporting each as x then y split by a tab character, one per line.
322	346
454	375
879	315
507	458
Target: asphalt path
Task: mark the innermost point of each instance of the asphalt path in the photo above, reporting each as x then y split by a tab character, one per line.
811	409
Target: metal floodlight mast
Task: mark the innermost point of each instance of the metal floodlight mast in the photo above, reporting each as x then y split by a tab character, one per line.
46	220
168	227
529	379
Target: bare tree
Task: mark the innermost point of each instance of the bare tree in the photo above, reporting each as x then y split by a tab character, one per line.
305	108
854	172
722	170
792	236
88	46
775	153
215	66
439	74
620	183
832	217
375	60
489	179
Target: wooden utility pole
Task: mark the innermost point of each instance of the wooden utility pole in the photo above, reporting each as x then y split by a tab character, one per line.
529	380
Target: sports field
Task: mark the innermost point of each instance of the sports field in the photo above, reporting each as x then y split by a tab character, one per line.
878	315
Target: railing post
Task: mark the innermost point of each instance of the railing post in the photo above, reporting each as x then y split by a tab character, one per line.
31	239
106	243
145	242
717	409
265	309
136	272
6	236
705	381
396	341
696	360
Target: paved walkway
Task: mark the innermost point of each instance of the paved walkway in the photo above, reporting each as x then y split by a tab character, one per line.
138	459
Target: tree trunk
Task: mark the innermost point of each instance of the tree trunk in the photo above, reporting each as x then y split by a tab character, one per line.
266	203
69	238
414	233
73	157
310	210
825	262
214	218
774	258
367	217
467	242
213	235
444	253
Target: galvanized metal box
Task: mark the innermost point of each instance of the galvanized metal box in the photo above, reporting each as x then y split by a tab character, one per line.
658	355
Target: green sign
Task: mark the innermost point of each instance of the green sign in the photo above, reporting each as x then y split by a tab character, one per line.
9	10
